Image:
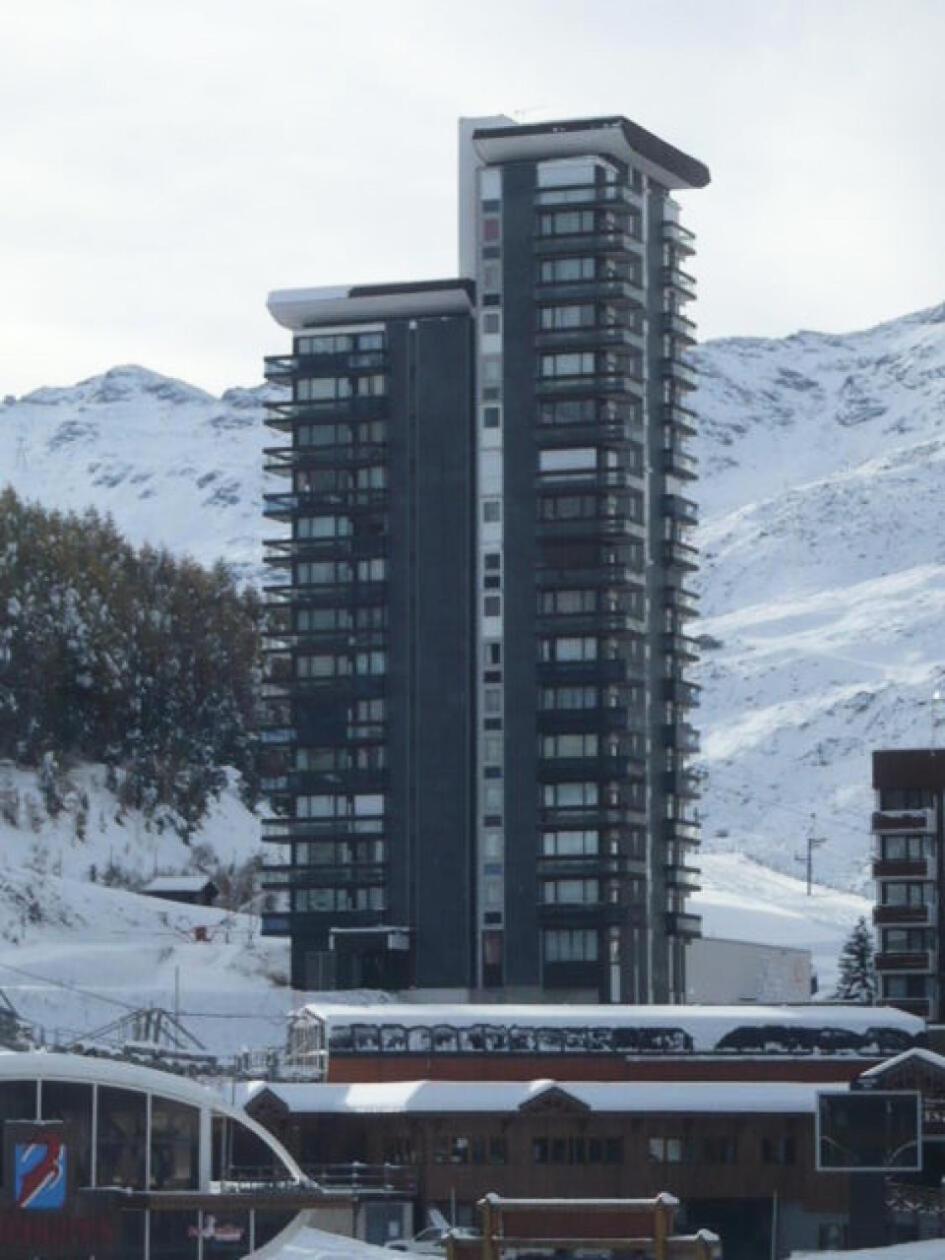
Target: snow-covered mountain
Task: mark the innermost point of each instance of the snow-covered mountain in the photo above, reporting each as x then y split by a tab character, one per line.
823	580
824	577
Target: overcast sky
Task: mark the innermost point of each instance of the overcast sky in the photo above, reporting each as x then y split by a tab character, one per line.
164	163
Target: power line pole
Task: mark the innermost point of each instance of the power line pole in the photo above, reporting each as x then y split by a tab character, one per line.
813	842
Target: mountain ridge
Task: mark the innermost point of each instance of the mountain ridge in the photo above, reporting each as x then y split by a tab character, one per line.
823	573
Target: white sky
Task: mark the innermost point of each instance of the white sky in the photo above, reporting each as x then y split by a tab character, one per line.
164	163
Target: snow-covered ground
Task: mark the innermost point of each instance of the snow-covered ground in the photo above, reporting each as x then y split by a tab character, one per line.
931	1249
743	900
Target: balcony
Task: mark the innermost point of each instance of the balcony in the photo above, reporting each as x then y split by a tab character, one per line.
681	281
680	924
681	692
679	419
681	509
921	962
681	736
685	878
284	414
679	325
681	239
680	555
682	602
279	369
912	915
922	820
589	195
681	370
681	645
600	385
615	576
604	336
683	783
613	289
918	868
614	243
679	463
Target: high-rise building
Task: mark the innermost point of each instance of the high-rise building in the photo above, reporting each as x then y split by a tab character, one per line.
909	869
478	697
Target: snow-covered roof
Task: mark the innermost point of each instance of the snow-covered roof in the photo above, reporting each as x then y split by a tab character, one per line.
20	1065
706	1025
334	304
177	883
445	1097
302	1242
919	1052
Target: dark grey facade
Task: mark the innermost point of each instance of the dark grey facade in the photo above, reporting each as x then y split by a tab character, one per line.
535	810
909	869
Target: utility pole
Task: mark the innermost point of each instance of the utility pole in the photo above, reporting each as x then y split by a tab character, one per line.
813	842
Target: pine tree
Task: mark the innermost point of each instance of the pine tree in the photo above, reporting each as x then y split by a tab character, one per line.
857	967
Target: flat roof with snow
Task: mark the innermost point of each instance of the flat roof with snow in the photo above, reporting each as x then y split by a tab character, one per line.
445	1097
697	1029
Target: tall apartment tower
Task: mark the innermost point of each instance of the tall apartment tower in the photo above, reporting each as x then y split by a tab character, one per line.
909	869
478	705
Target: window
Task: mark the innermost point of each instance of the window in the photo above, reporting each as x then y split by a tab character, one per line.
778	1150
372	477
491	322
175	1139
576	648
906	798
370	663
568	460
492	511
323	527
566	270
667	1150
566	223
906	848
577	1150
567	602
569	411
122	1138
907	940
491	417
578	364
492	700
492	606
491	277
570	892
907	986
491	227
322	666
558	318
569	945
720	1150
581	745
906	894
570	843
570	795
63	1100
568	698
372	570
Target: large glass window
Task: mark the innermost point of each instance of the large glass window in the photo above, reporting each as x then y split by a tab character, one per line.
17	1102
570	945
122	1138
175	1144
62	1100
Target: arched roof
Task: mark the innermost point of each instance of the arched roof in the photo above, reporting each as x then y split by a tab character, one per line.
80	1069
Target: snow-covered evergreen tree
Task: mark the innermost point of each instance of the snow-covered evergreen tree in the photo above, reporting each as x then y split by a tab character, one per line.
857	981
130	657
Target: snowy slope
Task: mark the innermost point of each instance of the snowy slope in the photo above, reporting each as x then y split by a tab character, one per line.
824	578
172	464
